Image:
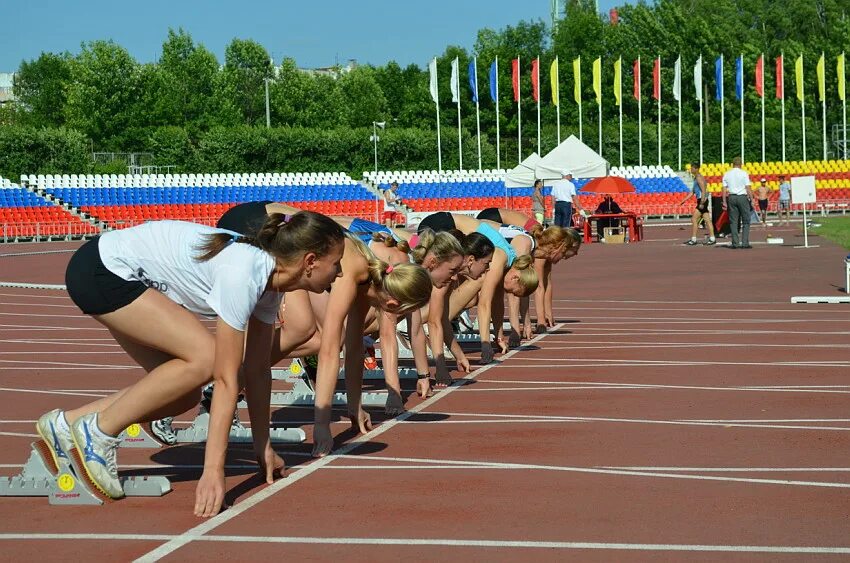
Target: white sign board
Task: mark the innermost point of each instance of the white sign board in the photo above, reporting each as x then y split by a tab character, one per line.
803	189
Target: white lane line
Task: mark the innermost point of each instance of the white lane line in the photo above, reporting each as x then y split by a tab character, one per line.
566	362
54	352
252	500
644	345
37	305
66	364
583	385
671	302
576	330
96	368
48	392
574	545
19	434
99	342
49	315
738	469
31	295
602	471
707	310
19	328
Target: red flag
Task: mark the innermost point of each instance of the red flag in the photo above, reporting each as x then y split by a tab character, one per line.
780	78
656	79
515	68
614	16
760	76
637	79
535	79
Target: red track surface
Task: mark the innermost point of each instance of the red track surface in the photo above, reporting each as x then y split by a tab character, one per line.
683	410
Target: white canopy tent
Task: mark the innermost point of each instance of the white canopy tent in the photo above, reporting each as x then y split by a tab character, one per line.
572	155
523	175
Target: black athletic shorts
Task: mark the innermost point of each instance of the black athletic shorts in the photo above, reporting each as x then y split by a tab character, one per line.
491	214
702	207
93	288
438	222
763	205
246	218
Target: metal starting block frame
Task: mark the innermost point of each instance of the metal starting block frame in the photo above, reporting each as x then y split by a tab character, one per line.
302	393
199	429
67	485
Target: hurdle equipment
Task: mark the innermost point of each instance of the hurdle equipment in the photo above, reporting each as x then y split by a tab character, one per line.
820	299
63	486
199	429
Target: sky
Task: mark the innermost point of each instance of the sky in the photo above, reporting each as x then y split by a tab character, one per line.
315	33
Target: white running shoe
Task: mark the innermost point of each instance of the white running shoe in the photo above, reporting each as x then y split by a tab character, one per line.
98	456
164	430
58	440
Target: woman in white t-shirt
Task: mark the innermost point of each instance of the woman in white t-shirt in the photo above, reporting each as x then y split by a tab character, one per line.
146	284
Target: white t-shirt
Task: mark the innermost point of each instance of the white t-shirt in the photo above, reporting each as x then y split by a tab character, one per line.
736	181
390	198
563	190
510	232
162	255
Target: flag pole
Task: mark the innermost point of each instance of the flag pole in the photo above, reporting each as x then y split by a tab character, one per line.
477	111
498	133
439	144
459	136
599	106
763	158
620	97
742	104
538	105
558	92
782	104
679	152
659	111
843	106
640	118
722	114
701	96
803	110
823	105
518	113
580	128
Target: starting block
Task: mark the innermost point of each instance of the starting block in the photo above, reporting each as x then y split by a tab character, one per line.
467	337
199	429
135	436
302	394
41	478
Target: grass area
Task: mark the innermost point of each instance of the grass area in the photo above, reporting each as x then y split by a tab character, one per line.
836	229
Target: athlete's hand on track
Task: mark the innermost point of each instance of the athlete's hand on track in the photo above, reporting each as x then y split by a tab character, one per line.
209	494
323	442
271	464
463	364
527	333
423	387
361	421
503	344
486	352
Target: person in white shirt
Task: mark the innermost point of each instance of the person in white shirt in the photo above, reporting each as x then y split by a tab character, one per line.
784	200
147	284
391	202
738	202
564	194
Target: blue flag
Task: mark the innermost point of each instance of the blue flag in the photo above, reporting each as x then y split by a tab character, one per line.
494	84
739	77
718	78
473	83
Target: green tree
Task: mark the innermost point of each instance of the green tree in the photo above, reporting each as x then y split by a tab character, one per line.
364	99
40	88
104	90
246	66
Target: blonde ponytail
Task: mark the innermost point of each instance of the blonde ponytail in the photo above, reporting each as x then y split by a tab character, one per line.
443	246
528	280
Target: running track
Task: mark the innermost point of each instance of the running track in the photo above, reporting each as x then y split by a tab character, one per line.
683	410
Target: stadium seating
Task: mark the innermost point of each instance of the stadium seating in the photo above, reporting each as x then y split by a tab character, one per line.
25	215
121	201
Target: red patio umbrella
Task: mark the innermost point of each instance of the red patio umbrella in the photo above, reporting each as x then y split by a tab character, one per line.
609	185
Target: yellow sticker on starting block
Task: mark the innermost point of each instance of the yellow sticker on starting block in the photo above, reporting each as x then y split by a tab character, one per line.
66	482
295	368
134	430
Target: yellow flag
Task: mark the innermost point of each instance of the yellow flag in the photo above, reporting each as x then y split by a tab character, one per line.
577	80
821	78
618	80
798	70
556	87
597	79
840	73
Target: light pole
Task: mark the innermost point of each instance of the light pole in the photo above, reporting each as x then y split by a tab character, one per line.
268	113
375	139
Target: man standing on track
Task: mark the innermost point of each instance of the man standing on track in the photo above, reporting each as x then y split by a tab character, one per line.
784	200
764	194
738	201
564	193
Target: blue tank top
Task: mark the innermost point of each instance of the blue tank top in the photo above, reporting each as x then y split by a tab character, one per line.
498	241
696	189
363	229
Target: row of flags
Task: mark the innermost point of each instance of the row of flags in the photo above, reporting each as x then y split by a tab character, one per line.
554	71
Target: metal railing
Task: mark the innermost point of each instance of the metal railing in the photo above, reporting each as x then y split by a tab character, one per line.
59	230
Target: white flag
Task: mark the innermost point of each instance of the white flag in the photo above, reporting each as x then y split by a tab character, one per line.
432	68
698	78
455	82
677	80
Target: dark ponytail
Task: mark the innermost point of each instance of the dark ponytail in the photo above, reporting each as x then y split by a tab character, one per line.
474	244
